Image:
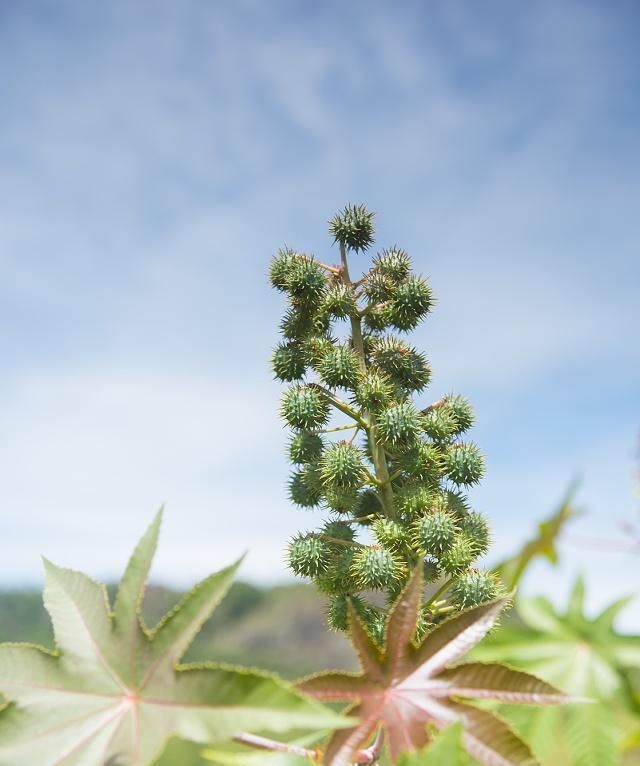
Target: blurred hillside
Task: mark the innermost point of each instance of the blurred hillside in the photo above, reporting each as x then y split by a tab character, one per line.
280	628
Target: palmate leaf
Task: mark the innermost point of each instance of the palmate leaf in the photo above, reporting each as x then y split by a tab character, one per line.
406	688
446	748
113	691
585	656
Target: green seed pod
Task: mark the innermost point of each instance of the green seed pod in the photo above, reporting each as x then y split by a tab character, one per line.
456	502
475	526
288	362
431	571
376	568
339	301
438	424
340	530
399	426
461	413
460	555
464	464
338	610
423	462
402	363
393	263
477	586
338	577
367	504
411	302
306	284
390	534
305	488
308	555
305	447
414	500
304	407
339	367
353	227
372	391
280	267
424	625
315	347
435	533
296	325
342	466
375	622
377	318
341	499
378	287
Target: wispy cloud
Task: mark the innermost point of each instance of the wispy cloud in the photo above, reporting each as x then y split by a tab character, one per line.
154	155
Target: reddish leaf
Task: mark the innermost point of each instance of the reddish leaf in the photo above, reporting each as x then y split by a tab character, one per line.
406	688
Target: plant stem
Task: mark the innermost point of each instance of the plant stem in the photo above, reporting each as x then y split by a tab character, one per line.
262	743
337	428
442	589
377	450
340	405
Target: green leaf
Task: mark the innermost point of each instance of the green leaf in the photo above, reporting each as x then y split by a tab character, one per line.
542	545
585	657
114	691
406	690
445	749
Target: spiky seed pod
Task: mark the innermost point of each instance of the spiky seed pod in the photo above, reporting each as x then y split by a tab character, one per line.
367	504
424	625
305	488
431	571
393	263
280	267
401	362
341	499
464	464
460	555
390	534
457	503
304	407
372	391
376	568
414	500
308	555
461	412
375	622
342	466
399	426
412	300
339	301
438	424
338	577
338	610
339	367
340	530
306	283
314	349
288	362
378	287
377	318
477	528
423	462
305	447
435	533
476	586
296	325
353	227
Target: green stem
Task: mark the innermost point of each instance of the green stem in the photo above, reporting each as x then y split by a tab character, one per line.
337	428
338	541
377	449
340	405
442	589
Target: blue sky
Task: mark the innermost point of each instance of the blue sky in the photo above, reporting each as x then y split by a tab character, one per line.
155	155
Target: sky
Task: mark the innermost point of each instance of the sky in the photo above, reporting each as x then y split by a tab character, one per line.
155	155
